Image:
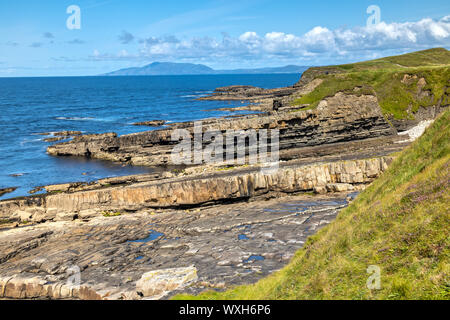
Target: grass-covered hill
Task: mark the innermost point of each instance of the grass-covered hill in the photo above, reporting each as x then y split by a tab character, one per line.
402	84
400	223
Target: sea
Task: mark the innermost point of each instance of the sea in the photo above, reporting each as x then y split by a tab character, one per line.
32	106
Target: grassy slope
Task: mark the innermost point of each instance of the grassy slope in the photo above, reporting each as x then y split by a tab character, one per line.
400	223
383	77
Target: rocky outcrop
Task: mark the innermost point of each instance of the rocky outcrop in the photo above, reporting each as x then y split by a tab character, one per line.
238	93
7	190
38	288
340	118
153	123
54	139
160	282
315	73
424	105
423	114
155	284
61	133
194	190
59	136
67	133
107	182
426	97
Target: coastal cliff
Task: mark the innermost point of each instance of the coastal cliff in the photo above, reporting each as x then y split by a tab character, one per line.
196	190
328	105
340	130
399	225
340	118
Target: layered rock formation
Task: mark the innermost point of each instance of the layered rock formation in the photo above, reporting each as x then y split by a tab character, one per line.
248	93
196	190
338	119
204	226
152	123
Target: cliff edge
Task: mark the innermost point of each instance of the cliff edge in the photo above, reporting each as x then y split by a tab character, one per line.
399	225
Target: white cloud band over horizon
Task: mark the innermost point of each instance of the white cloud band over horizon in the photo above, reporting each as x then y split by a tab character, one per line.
319	45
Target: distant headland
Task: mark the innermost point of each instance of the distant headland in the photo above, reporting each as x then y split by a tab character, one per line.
170	68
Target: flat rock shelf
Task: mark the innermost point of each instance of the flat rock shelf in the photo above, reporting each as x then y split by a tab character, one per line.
226	245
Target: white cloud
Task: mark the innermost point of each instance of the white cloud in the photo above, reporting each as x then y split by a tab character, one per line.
319	40
249	37
438	31
318	44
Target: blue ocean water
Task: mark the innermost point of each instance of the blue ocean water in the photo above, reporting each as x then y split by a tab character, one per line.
29	106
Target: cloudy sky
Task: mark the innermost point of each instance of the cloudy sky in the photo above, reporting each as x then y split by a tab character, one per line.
36	40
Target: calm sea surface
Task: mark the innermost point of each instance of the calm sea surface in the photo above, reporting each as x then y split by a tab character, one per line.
29	106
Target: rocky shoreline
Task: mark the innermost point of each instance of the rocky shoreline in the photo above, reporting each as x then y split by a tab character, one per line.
187	229
7	190
341	118
224	245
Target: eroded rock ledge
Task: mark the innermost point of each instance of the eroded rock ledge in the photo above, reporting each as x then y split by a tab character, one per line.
196	190
341	118
248	93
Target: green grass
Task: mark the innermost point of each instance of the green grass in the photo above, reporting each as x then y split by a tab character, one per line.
430	57
228	168
108	214
383	78
400	223
6	221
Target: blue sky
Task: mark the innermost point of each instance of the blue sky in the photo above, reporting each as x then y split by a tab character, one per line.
114	34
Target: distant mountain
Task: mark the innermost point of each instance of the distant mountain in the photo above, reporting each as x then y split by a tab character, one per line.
164	68
169	68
